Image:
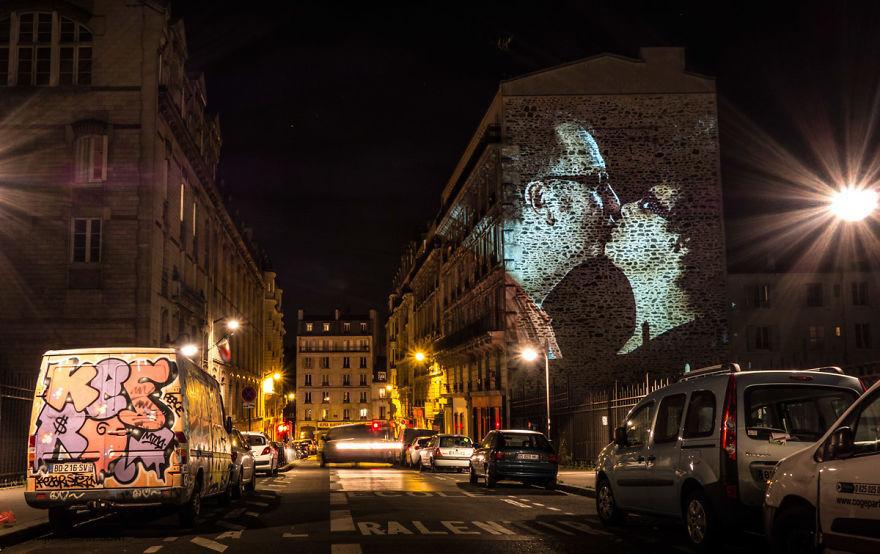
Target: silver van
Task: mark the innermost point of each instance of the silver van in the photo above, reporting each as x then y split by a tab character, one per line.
706	445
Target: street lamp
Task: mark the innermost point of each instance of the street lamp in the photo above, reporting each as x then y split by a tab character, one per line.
232	325
531	354
420	356
291	396
852	203
189	350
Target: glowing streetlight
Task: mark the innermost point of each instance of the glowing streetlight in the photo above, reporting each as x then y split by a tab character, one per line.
420	356
852	203
291	396
389	388
189	350
232	325
531	354
276	376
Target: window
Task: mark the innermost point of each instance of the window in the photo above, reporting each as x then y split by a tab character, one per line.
326	327
700	420
326	397
363	413
324	414
381	412
346	414
760	296
363	327
816	337
346	362
762	338
803	412
308	414
863	335
346	397
860	294
85	245
91	159
382	392
325	380
310	327
363	396
364	345
363	362
42	39
867	428
363	379
308	397
814	294
346	380
325	362
669	416
346	327
638	424
307	381
308	362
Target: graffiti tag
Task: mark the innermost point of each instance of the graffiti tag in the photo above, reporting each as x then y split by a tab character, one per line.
66	481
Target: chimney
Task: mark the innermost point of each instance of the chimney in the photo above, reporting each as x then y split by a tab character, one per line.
299	314
337	313
672	57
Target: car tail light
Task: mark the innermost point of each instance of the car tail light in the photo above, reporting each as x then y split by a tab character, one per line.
499	455
553	459
728	422
266	450
438	453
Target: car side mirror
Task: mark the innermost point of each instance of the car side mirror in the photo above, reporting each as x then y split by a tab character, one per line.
841	444
620	436
228	424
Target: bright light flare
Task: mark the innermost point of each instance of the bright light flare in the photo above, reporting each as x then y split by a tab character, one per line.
367	445
853	204
276	376
189	350
529	354
233	324
420	356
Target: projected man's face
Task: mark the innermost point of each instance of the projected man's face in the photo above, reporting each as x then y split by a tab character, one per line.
569	213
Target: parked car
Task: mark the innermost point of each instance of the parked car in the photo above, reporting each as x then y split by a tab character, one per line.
117	426
514	455
285	452
358	442
406	437
265	455
828	496
414	454
244	471
447	452
705	446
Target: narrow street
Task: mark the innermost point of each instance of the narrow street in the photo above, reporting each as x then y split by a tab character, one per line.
345	509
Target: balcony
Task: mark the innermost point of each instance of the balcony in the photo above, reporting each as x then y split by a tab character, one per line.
334	349
474	330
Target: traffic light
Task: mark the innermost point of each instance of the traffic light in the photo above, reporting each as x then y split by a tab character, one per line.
283	428
376	425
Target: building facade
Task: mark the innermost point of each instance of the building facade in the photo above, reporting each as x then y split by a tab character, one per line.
112	229
335	364
584	220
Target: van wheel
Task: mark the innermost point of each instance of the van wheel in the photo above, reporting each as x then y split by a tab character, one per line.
61	520
794	531
473	476
189	512
700	521
606	505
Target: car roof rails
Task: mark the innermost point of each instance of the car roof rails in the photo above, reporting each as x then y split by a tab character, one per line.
827	369
728	367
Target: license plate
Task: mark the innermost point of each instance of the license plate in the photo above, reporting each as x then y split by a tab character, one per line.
529	457
766	474
72	467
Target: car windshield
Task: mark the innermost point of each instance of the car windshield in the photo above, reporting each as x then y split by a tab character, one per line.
524	440
456	442
255	440
803	412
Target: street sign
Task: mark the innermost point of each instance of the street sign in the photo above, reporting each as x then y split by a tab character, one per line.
250	404
249	394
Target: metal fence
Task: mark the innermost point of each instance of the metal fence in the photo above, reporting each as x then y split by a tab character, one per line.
582	430
16	399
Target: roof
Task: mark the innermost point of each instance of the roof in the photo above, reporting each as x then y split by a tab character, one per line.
112	350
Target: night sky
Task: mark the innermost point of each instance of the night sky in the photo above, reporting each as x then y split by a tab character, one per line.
342	124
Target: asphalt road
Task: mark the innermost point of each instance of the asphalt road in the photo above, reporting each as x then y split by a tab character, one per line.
345	509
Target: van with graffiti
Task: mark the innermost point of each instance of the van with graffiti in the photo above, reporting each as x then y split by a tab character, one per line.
116	427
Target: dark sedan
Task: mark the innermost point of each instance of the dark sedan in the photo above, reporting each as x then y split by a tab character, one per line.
514	455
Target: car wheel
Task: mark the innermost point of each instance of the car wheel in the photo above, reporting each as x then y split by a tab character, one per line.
421	467
433	466
550	485
794	531
189	512
61	520
606	506
253	485
473	476
491	478
238	490
699	521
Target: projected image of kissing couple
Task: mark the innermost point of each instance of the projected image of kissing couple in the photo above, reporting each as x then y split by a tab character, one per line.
584	258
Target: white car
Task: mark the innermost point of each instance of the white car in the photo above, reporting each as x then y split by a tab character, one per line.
447	452
265	455
827	496
415	451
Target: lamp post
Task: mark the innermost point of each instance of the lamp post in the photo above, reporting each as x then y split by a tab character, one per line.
530	355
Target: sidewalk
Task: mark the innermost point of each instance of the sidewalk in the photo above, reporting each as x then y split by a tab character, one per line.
26	518
577	481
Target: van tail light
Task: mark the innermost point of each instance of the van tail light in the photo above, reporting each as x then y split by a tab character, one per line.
499	455
266	450
728	422
32	450
437	453
182	446
32	441
553	459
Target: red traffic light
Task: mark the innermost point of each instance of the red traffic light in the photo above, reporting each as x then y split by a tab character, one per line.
282	428
376	425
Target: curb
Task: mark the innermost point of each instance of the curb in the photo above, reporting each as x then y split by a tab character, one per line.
25	533
580	491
